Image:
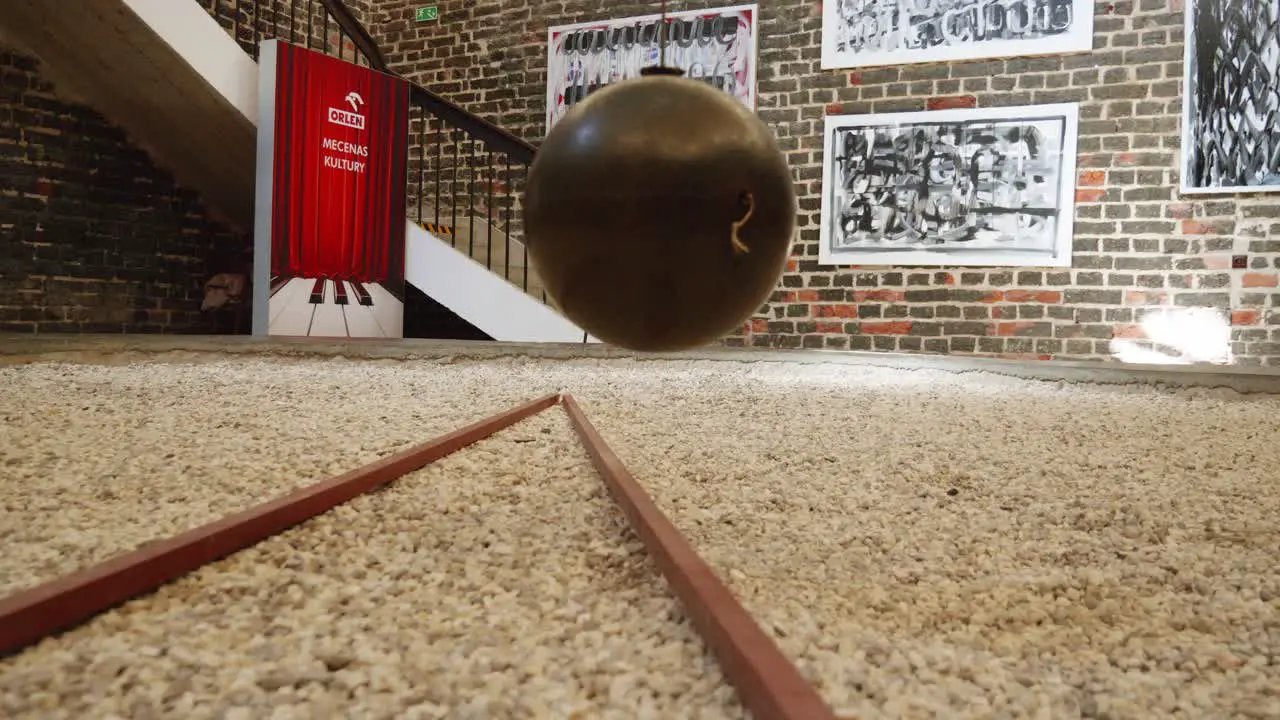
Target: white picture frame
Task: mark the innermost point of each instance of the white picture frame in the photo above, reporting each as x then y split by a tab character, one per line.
637	47
893	32
974	224
1243	121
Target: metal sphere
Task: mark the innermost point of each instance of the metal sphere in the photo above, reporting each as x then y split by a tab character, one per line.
659	214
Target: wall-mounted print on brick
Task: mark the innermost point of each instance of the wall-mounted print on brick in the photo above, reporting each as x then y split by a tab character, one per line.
716	46
1231	111
861	33
965	187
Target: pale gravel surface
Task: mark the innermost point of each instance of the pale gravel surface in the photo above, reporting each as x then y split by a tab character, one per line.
928	544
933	545
95	461
499	582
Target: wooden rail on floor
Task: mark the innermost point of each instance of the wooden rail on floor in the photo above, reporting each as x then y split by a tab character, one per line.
28	616
770	686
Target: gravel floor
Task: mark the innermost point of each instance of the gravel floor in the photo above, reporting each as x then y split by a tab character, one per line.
922	543
927	544
95	461
497	583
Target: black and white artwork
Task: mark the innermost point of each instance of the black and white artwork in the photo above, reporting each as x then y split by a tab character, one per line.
1231	109
860	33
976	187
715	46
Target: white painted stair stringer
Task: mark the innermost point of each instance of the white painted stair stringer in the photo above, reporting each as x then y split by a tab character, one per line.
479	296
207	47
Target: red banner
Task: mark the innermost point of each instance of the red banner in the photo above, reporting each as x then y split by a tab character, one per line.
337	153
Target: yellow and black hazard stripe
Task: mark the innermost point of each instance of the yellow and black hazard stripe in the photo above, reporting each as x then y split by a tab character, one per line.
439	229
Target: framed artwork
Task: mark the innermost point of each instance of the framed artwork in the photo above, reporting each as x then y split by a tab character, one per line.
977	187
329	234
716	46
862	33
1231	105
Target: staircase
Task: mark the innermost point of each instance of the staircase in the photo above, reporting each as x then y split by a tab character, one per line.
180	76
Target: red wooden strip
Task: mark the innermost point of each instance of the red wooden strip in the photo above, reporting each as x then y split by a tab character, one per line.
30	615
317	291
340	292
769	684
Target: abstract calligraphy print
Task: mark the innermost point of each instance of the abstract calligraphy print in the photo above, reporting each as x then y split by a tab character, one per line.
945	187
714	46
1233	95
888	26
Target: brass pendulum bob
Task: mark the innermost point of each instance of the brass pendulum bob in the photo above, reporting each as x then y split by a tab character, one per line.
659	212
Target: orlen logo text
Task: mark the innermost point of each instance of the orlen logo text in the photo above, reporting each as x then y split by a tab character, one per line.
349	119
346	119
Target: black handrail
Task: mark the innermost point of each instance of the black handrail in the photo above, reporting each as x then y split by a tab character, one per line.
358	33
495	137
445	119
519	149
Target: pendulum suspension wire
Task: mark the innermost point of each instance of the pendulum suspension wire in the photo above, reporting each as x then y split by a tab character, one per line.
662	37
661	68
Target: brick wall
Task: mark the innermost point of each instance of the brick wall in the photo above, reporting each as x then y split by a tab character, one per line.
1139	246
93	236
303	22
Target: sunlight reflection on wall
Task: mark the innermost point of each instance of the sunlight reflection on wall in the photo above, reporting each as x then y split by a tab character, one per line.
1178	336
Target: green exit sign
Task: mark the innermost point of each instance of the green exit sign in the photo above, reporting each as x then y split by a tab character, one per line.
428	14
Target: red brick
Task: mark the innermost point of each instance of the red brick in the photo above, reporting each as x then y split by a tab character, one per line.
1092	177
993	297
759	325
878	295
1258	279
793	265
1126	159
1141	297
831	328
1033	296
1180	210
835	108
807	295
1217	262
952	102
1208	227
1012	328
840	310
1128	331
855	78
1089	195
1245	317
887	327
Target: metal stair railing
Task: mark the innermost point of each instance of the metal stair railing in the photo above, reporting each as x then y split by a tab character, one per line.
465	174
